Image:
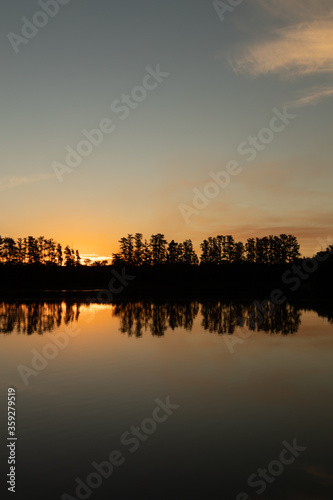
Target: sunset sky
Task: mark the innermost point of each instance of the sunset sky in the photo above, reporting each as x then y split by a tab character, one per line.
227	78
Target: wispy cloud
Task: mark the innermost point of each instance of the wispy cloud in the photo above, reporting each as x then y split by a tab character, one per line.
311	96
10	182
296	41
298	50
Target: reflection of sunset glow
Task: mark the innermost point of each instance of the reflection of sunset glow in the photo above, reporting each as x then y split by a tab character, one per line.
97	307
42	317
36	317
138	318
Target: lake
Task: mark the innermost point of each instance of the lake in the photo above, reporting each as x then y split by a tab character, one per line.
168	400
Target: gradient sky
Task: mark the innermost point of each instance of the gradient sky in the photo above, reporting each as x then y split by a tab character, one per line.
226	77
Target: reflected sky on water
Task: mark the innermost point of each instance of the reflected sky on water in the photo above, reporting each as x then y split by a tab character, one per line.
236	407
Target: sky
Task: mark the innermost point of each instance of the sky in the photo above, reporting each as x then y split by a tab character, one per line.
180	92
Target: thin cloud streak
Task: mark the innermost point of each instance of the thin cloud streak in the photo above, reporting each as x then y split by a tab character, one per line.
311	96
12	182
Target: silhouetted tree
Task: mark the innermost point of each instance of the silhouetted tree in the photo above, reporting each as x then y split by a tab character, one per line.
33	251
127	249
9	250
50	251
69	257
238	252
293	247
77	258
20	256
146	258
59	258
158	248
250	249
189	255
138	249
204	252
172	254
230	248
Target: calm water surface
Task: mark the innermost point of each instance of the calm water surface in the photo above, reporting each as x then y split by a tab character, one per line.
87	375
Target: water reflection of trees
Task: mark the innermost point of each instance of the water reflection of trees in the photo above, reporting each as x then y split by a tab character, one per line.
217	317
155	317
136	317
36	317
222	318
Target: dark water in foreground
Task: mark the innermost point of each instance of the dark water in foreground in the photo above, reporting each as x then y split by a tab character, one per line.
194	404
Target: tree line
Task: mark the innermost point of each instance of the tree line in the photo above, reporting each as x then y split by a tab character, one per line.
39	250
214	250
136	251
